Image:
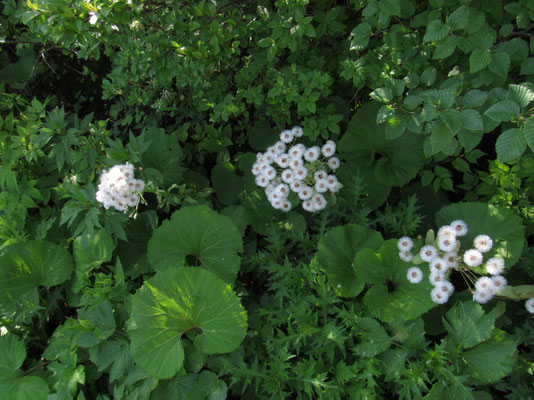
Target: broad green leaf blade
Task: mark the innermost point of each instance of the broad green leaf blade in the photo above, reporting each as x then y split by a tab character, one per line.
472	121
520	94
98	250
31	388
435	31
478	60
180	300
467	324
373	338
441	138
510	144
475	98
528	132
200	232
187	387
392	298
500	64
459	18
335	256
490	361
503	226
12	353
505	110
25	266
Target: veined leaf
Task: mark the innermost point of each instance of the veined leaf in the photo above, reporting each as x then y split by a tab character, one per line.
441	138
500	64
510	144
472	120
478	60
373	337
520	94
467	324
505	110
459	18
475	98
435	31
528	132
180	300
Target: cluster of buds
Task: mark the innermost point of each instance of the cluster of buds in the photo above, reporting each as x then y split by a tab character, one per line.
290	167
442	253
118	188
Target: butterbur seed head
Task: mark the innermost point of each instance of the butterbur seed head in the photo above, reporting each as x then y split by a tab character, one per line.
483	243
312	154
529	305
285	206
428	252
495	266
447	243
438	265
296	151
286	136
321	186
460	227
438	296
297	131
473	258
282	160
319	175
447	231
333	163
436	277
406	256
499	283
279	147
308	205
452	259
329	148
414	275
482	297
405	243
305	193
484	284
446	287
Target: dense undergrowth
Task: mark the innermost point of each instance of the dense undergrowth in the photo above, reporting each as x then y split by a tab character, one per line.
197	284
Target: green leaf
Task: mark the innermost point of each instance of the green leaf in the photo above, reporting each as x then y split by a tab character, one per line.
441	138
213	240
335	256
467	324
527	132
475	98
382	95
98	250
478	60
360	36
162	161
25	266
459	18
200	386
453	119
443	98
520	94
500	64
510	144
392	298
505	110
373	338
31	388
12	352
226	183
428	77
445	48
395	127
180	300
435	31
384	114
265	42
114	355
472	120
491	361
527	67
502	225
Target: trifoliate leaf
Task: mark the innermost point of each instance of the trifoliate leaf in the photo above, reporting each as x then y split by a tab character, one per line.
510	144
197	231
25	266
373	337
490	361
435	31
335	255
392	298
502	225
180	300
478	60
467	324
505	110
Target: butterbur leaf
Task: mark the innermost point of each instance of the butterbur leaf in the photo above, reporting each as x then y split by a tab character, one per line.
212	239
180	300
25	266
502	225
12	352
335	255
373	337
392	298
467	324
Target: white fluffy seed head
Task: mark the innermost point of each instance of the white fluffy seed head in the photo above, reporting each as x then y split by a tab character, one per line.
279	147
319	175
438	264
414	275
405	243
305	193
296	151
482	297
301	173
321	186
473	258
297	131
438	296
447	243
282	160
312	154
295	162
287	176
428	252
483	243
118	188
529	305
484	284
308	206
405	256
446	287
319	202
452	259
499	282
329	148
447	230
286	136
495	266
460	226
436	277
334	163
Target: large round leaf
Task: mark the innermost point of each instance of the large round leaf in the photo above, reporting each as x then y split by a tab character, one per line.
392	298
335	255
197	231
25	266
395	161
180	300
503	226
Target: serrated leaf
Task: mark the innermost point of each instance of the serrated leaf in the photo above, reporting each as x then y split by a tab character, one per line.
385	113
31	388
478	60
441	138
472	120
527	132
372	336
443	98
527	67
475	98
459	18
428	77
98	250
12	352
395	127
392	298
505	110
360	36
500	63
180	300
382	95
502	225
520	94
445	48
453	119
510	144
200	232
490	361
467	324
335	256
435	31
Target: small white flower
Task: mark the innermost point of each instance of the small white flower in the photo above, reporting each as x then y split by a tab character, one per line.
286	136
312	154
484	284
414	275
306	192
406	256
297	131
262	180
529	305
287	176
499	282
283	189
333	163
329	148
308	206
473	258
452	259
286	206
438	296
301	173
295	162
405	243
319	175
269	173
447	230
279	147
93	17
428	252
297	151
460	227
482	297
438	265
446	287
283	160
321	186
483	243
495	266
447	243
319	202
436	277
296	186
332	183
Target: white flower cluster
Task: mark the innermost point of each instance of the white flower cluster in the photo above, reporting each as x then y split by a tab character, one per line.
443	257
118	188
288	167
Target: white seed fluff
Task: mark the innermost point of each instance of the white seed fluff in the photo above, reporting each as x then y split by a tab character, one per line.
483	243
428	252
460	227
405	243
414	275
495	266
473	258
